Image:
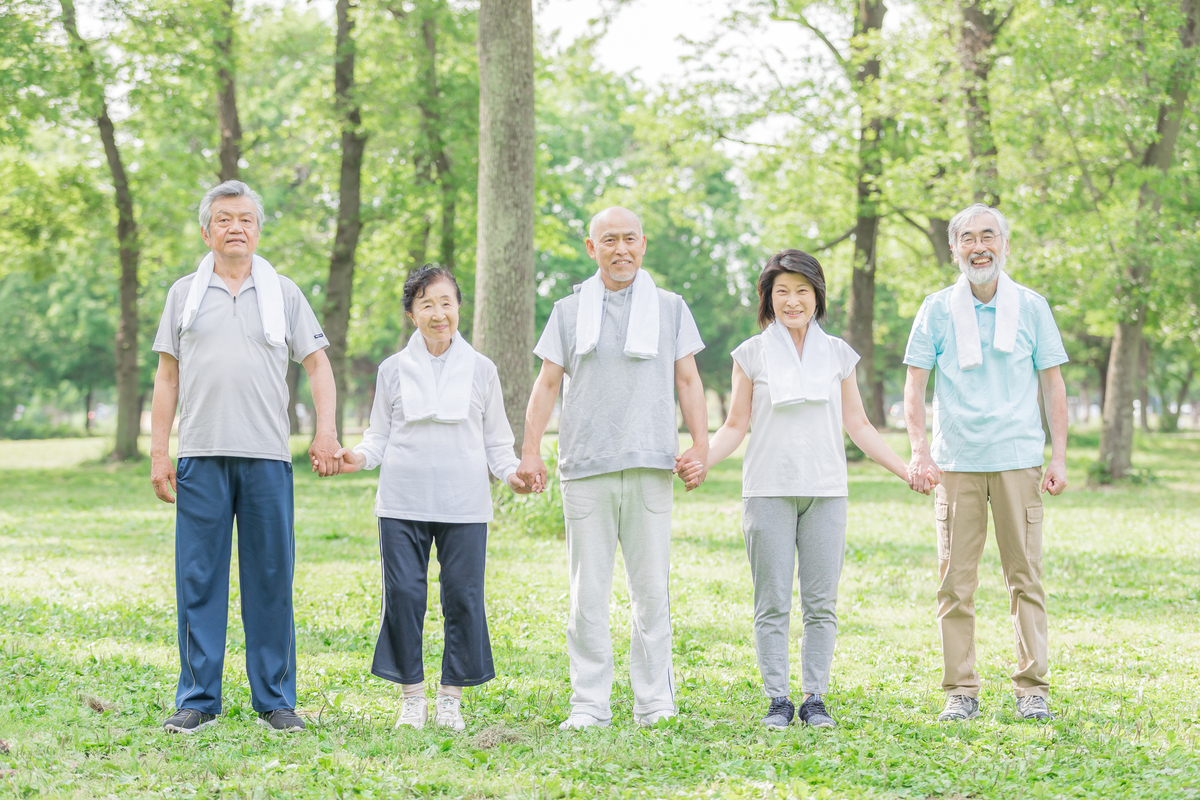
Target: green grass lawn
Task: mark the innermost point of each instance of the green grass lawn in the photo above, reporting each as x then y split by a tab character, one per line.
88	619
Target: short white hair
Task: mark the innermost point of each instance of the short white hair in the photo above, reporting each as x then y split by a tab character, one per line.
964	217
596	220
230	189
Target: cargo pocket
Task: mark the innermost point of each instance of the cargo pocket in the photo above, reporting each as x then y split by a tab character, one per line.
941	512
1033	533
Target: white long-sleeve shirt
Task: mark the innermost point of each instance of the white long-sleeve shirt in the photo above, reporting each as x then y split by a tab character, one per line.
436	471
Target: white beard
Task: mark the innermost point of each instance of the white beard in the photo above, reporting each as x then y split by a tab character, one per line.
981	277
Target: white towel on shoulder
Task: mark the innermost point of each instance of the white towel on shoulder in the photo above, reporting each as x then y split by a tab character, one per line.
793	378
447	399
641	337
966	326
267	290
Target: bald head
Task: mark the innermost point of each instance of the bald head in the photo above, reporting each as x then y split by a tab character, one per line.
614	219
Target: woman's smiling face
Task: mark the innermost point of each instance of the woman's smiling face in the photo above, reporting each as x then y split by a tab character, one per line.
793	299
435	313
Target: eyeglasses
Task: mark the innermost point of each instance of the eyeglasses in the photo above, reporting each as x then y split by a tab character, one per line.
985	239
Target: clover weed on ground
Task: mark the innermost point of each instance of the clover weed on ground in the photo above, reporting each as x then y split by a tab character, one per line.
87	594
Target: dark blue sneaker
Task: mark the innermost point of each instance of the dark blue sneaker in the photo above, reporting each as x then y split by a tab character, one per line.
780	714
812	713
188	720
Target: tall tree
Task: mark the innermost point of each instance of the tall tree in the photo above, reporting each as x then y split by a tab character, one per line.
227	112
1116	435
349	217
94	104
504	277
863	69
981	22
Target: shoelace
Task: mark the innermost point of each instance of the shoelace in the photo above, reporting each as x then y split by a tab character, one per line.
816	704
958	704
411	706
779	705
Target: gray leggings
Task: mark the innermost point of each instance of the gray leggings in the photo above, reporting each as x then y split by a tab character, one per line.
776	529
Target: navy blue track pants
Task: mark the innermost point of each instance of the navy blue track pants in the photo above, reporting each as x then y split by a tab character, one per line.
404	552
213	491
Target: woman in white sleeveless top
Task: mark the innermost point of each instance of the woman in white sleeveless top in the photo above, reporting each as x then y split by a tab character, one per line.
795	386
437	428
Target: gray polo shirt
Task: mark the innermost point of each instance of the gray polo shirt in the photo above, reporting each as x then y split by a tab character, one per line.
618	412
233	393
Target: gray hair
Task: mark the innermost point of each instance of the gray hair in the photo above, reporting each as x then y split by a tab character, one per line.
962	218
596	219
230	189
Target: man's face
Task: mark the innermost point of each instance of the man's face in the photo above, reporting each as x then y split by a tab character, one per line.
233	229
980	250
618	247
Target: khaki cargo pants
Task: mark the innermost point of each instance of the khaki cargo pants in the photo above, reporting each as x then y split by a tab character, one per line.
961	503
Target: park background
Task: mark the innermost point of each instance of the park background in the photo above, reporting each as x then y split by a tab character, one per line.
851	130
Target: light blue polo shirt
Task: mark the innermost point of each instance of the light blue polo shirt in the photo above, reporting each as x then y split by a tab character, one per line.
986	419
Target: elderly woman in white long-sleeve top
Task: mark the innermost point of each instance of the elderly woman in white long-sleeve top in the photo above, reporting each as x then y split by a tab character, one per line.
437	428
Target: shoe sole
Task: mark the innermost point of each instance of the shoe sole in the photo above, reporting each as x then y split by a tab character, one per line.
771	726
406	724
967	718
583	727
188	731
270	727
821	724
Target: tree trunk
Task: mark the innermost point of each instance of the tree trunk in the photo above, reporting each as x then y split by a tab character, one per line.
293	384
1168	421
860	306
227	114
128	417
87	411
504	278
1144	386
939	236
349	221
980	24
1116	435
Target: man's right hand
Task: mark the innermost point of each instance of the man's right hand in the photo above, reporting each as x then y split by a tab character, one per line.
162	477
923	473
532	472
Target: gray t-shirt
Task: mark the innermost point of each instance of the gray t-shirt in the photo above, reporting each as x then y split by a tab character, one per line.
618	412
233	393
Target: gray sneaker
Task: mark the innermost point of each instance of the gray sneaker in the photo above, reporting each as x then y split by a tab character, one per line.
959	708
281	719
188	720
1033	707
812	712
780	714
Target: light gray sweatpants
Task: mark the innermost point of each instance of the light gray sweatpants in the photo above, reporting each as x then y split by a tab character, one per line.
776	529
632	507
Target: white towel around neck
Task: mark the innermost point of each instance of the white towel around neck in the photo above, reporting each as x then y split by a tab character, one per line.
793	378
641	337
966	326
446	399
267	291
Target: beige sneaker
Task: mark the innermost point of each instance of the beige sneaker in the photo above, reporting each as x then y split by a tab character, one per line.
413	713
449	713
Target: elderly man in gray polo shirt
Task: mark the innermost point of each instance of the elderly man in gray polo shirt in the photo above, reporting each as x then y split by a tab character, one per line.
224	341
627	346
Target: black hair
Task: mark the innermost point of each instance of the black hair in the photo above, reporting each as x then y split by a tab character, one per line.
420	280
799	263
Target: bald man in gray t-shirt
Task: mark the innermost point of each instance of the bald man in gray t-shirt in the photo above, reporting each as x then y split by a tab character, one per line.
618	440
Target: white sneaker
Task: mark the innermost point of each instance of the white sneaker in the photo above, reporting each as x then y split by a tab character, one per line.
449	713
579	721
413	712
646	720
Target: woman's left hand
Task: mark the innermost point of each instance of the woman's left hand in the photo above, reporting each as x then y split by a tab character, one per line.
517	485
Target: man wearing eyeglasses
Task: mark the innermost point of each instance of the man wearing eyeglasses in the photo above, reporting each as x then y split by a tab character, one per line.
993	341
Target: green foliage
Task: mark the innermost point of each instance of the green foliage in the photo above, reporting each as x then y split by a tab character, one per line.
538	515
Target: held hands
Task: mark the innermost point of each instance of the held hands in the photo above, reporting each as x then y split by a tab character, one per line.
923	474
324	454
346	460
690	466
517	485
162	477
1055	479
531	474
